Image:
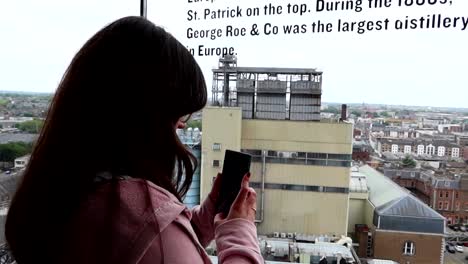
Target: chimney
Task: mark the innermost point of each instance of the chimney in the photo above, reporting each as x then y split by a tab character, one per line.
344	112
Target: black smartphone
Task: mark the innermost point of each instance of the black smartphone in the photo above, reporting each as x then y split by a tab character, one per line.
235	166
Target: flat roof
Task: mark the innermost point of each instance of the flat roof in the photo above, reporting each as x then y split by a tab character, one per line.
268	70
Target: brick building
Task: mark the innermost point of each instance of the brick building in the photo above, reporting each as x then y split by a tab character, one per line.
361	151
447	194
396	225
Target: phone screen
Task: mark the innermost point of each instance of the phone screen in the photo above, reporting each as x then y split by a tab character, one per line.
236	165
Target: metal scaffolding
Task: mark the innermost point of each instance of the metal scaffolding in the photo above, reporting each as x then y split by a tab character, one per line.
268	93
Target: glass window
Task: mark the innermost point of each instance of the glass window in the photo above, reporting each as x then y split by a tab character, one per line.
296	161
339	156
338	163
447	206
446	194
335	190
441	206
272	153
317	162
301	155
408	248
255	185
216	146
274	160
256	159
312	188
293	187
311	155
215	163
457	206
456	195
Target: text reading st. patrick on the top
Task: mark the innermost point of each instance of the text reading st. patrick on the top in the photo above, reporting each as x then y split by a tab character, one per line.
303	9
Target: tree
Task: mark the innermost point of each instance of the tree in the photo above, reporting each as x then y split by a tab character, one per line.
408	162
384	114
10	151
33	126
332	109
195	123
356	113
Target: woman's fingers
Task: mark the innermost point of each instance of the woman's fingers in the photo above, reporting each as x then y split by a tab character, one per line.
243	193
244	205
251	203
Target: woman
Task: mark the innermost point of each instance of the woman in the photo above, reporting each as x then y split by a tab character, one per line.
101	185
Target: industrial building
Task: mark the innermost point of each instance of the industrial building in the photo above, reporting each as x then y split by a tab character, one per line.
301	163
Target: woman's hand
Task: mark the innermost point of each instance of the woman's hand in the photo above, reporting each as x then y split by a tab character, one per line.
244	206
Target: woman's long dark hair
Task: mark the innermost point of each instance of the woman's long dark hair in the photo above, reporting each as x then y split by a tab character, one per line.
115	110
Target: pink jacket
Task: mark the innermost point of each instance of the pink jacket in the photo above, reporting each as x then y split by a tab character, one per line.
135	221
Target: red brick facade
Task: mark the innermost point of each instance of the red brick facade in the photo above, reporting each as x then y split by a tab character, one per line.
452	204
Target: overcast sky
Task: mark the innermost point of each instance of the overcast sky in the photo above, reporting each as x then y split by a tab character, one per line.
415	67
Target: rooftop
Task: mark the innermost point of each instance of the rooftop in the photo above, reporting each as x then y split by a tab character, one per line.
17	137
397	209
267	70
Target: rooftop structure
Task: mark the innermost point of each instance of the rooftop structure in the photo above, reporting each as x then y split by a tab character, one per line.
268	93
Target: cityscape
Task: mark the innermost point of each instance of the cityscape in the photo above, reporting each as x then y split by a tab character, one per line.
336	182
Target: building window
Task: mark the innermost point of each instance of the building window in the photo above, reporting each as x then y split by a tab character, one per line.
441	151
408	248
441	205
216	146
215	163
457	206
456	195
446	206
407	149
441	194
446	193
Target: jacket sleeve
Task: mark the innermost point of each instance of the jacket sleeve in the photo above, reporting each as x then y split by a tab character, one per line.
203	221
236	242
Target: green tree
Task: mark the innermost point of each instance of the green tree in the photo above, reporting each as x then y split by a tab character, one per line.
332	109
33	126
10	151
4	102
356	113
384	114
408	162
28	114
195	123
